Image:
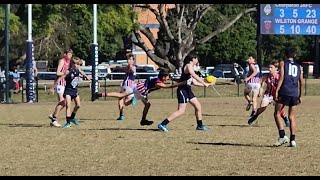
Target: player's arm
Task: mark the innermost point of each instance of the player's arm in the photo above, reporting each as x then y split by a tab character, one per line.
60	66
281	77
263	83
301	85
195	76
254	72
84	74
163	85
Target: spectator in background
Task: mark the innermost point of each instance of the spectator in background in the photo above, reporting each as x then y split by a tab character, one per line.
16	80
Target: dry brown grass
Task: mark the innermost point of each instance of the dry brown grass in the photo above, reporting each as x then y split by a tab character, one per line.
101	145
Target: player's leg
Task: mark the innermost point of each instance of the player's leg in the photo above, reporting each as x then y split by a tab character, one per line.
58	108
282	102
246	94
292	117
263	106
68	111
75	109
146	108
198	113
285	118
255	93
182	96
121	106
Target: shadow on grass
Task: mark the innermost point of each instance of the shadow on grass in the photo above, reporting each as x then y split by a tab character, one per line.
96	119
239	125
126	129
222	115
230	144
23	125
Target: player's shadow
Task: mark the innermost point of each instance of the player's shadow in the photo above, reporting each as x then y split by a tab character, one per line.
230	144
96	119
22	125
239	125
125	129
222	115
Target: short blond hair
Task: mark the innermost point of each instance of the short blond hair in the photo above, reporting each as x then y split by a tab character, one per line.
76	60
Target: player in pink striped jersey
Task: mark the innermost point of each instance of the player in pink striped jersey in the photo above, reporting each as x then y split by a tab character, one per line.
271	80
252	81
59	86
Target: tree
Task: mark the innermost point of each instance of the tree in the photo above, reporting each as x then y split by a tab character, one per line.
177	35
57	26
235	44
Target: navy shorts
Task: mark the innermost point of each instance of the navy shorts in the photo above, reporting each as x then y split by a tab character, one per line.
184	95
288	100
72	94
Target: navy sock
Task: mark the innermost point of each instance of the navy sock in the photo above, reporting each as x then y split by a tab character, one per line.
292	137
199	123
253	113
73	115
165	122
68	119
282	133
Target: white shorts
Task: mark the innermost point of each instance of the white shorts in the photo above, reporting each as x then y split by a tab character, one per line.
59	89
268	99
127	89
253	87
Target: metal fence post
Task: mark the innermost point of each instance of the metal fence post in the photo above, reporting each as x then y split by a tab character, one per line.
105	88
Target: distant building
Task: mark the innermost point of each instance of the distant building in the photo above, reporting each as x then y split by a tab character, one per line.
148	19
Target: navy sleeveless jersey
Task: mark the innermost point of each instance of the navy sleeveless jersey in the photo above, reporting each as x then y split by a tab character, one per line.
290	84
184	77
72	80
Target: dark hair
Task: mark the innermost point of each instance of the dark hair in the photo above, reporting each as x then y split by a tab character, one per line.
163	73
275	63
68	51
129	55
252	55
290	52
189	58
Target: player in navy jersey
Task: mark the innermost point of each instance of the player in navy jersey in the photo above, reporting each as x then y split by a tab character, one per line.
142	89
185	95
71	78
288	93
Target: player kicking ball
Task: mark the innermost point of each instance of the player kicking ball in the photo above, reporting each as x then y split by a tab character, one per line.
271	80
141	91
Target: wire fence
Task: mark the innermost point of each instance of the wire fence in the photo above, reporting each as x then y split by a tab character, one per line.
225	87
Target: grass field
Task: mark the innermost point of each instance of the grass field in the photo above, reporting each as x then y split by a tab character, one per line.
224	88
101	145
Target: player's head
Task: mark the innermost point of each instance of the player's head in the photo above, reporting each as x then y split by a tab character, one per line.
251	58
290	52
191	58
130	58
273	66
76	61
68	53
163	75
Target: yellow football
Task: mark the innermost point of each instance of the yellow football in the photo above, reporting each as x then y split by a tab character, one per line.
211	79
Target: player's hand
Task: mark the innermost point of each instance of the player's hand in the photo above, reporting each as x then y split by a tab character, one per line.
207	84
275	97
299	100
89	78
51	90
246	80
